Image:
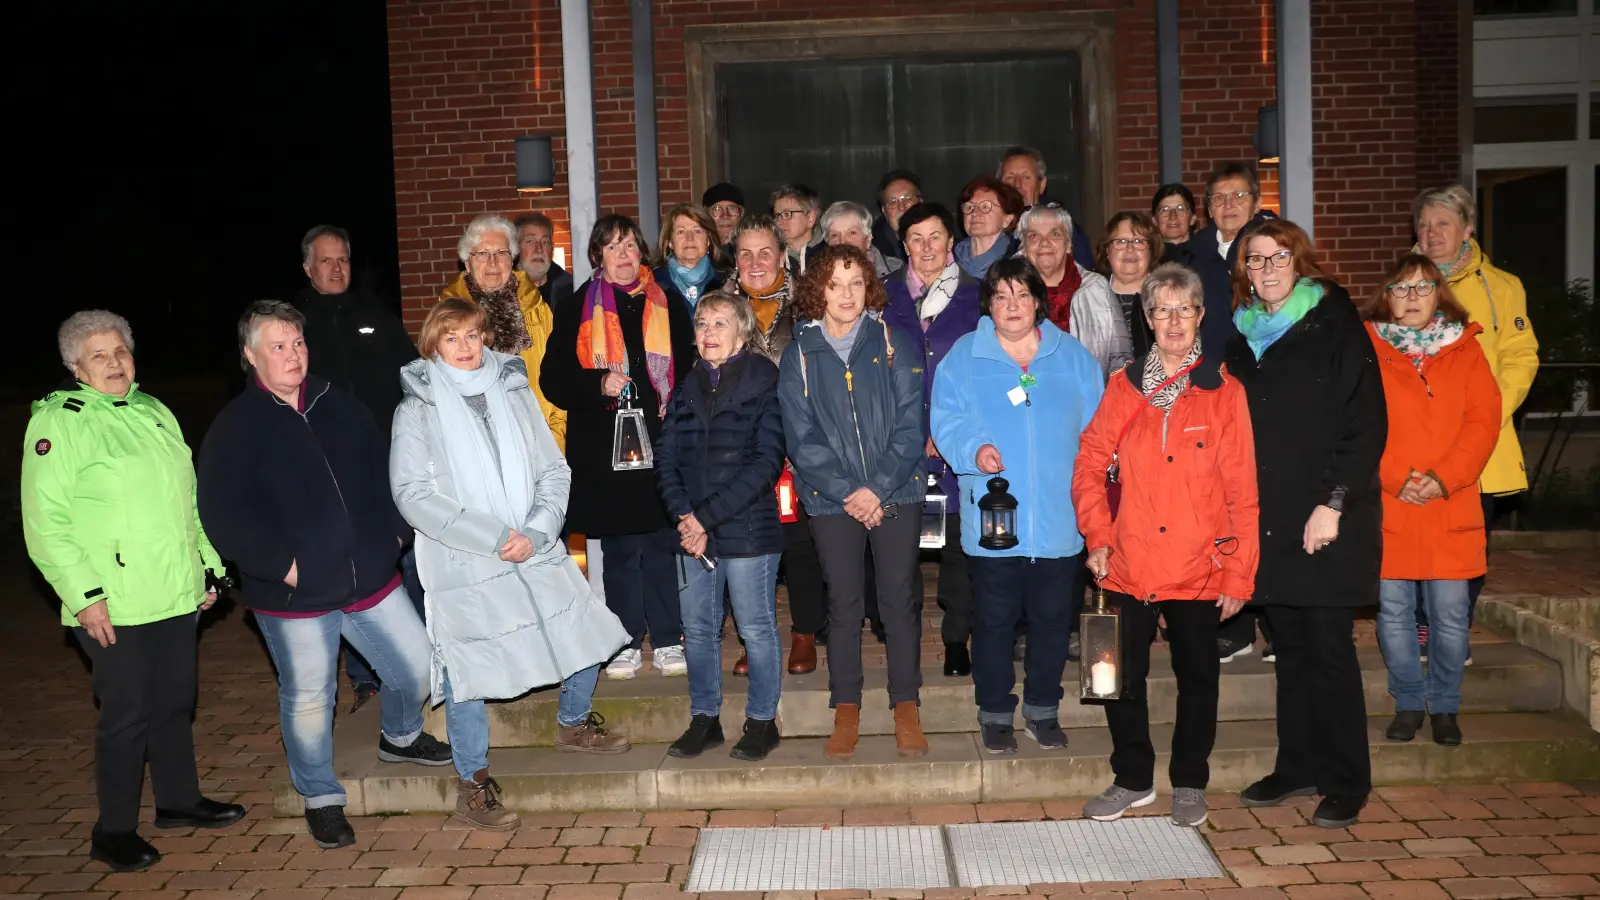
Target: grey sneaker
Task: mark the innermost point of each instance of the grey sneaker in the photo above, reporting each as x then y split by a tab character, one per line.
1109	806
1188	807
998	739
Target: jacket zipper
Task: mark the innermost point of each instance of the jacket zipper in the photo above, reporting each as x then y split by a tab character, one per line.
355	582
850	389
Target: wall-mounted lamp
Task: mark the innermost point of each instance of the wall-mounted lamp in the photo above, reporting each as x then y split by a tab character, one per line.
1265	140
536	169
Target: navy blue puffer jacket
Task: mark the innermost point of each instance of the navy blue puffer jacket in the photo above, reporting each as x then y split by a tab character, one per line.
719	455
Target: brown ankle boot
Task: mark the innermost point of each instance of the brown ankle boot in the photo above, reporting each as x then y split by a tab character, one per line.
478	804
590	737
846	731
803	654
741	668
908	737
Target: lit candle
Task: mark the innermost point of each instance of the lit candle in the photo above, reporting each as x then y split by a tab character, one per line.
786	500
633	456
1103	678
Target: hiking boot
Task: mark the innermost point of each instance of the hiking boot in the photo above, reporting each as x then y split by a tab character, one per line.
1272	790
846	731
1446	733
1047	733
703	733
802	654
1116	800
1405	725
329	828
1339	810
999	738
478	804
590	737
908	737
123	851
1188	807
760	738
426	750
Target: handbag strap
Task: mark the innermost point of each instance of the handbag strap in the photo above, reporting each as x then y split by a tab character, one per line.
1135	417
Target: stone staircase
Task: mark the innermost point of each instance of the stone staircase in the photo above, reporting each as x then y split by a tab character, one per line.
1512	715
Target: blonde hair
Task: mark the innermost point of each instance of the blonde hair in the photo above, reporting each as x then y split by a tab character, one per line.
743	315
452	314
1455	198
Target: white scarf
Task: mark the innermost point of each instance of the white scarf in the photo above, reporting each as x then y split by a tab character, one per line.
940	293
502	491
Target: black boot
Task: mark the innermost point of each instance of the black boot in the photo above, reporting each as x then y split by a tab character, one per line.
703	732
1405	725
205	814
957	661
1339	810
760	738
1446	732
1272	790
123	851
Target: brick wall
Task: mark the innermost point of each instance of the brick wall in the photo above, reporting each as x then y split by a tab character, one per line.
468	77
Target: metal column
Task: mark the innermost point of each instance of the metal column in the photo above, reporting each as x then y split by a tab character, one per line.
583	186
1169	92
1294	112
644	118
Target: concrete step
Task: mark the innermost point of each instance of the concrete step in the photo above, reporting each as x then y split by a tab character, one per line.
1518	746
1504	677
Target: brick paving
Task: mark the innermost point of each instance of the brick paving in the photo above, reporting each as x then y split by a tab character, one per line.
1452	842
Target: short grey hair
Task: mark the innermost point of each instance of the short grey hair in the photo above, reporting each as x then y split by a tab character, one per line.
322	231
757	221
1173	276
1014	152
1455	198
258	314
846	208
1040	211
479	227
80	326
743	315
804	193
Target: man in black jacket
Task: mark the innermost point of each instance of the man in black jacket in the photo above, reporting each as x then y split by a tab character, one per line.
535	249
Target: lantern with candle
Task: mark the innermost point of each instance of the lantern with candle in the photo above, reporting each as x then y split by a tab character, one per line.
1099	633
997	514
788	501
933	513
630	439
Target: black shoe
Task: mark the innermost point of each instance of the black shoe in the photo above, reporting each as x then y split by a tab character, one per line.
1272	790
1446	733
1405	725
877	631
998	739
365	691
426	750
205	814
703	732
1048	733
1339	810
329	828
123	851
822	638
760	738
1269	655
1228	651
957	661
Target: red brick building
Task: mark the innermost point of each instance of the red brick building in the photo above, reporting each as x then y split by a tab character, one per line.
1388	83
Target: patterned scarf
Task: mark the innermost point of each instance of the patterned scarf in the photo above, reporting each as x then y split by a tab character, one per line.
1463	256
600	344
1155	373
939	295
1262	329
503	311
1420	343
768	303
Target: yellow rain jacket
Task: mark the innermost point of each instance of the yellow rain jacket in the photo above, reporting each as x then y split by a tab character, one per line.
539	320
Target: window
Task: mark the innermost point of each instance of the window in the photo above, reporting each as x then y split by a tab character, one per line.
1517	120
1522	224
1506	8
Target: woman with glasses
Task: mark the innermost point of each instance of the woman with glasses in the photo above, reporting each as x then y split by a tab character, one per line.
1132	244
989	210
1173	210
1316	401
1444	418
1077	299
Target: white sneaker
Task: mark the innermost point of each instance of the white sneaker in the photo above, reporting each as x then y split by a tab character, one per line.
626	665
670	660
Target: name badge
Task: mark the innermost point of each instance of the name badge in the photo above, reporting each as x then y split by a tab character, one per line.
1017	395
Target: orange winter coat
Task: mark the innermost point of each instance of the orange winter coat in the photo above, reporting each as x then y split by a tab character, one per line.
1188	482
1444	420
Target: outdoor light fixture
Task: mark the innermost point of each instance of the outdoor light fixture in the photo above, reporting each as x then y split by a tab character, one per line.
536	168
1265	140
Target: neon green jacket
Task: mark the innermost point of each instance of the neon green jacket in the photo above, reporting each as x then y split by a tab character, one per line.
108	506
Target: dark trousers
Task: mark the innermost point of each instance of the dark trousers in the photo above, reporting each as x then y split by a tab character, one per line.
955	585
1322	710
841	548
145	683
1241	629
356	667
641	579
1192	637
1003	589
802	577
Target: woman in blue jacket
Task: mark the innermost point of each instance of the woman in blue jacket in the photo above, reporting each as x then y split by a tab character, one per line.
719	456
1012	398
851	389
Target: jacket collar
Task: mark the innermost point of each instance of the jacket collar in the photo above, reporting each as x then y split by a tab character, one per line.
986	344
1207	376
810	337
311	390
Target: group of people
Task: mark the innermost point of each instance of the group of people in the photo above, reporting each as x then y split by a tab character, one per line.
1199	419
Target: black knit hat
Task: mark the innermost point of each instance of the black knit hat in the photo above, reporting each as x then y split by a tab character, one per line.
720	192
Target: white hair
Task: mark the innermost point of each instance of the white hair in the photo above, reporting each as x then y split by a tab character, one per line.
1175	277
846	208
81	326
481	226
1045	211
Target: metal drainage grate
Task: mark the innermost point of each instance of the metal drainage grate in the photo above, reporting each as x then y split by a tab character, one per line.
817	859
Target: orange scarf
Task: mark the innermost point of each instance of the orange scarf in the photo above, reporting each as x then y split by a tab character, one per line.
600	344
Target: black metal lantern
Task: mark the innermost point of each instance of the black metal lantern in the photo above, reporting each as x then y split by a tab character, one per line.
997	512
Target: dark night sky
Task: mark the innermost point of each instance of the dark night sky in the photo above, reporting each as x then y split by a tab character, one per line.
166	159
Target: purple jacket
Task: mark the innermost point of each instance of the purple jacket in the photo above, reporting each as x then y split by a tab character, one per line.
959	318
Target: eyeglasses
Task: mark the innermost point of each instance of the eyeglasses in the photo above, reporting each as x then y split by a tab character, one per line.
1129	243
902	200
1232	198
484	257
1401	290
1280	260
725	211
982	207
1177	210
1163	313
787	214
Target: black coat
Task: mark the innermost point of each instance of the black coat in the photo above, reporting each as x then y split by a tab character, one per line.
276	486
664	278
1199	253
557	285
604	501
720	454
1317	409
357	343
886	241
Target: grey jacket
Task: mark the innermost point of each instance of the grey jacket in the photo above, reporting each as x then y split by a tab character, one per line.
500	628
1098	323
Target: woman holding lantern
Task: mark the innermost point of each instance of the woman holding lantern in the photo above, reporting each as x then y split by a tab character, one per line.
1012	398
1172	536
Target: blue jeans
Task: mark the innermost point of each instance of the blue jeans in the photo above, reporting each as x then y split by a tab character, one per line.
751	581
467	721
306	653
1447	607
360	673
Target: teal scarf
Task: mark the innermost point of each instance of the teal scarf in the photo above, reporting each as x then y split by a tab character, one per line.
691	282
1261	328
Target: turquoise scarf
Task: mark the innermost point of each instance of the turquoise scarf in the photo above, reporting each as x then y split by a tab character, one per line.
691	283
1261	328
